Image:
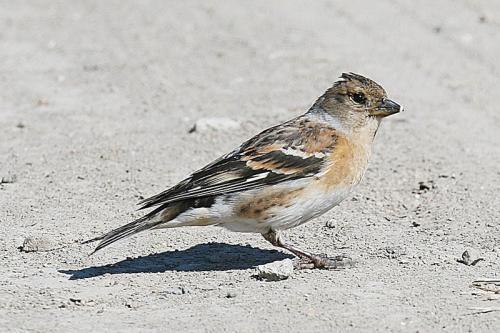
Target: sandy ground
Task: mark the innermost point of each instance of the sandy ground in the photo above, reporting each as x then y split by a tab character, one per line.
97	99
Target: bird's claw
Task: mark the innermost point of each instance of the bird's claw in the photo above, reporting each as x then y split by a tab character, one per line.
321	261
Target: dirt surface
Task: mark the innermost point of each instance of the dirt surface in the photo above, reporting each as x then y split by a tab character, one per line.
97	102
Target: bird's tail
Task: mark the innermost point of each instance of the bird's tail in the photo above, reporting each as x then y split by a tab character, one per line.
149	221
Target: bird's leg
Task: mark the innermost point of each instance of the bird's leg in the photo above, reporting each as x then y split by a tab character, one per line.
309	260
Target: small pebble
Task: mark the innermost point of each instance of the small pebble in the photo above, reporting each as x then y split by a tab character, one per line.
275	271
467	260
8	179
214	124
36	244
230	294
176	291
392	252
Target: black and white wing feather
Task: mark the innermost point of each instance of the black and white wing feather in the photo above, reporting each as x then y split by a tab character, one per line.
281	153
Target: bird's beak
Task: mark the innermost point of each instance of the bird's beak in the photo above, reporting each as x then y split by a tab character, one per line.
386	108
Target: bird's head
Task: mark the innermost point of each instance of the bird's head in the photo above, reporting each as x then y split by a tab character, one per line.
355	101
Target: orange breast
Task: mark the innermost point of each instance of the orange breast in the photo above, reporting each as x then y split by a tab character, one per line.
347	163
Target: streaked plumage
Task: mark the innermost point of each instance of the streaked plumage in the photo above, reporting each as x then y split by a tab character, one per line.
282	177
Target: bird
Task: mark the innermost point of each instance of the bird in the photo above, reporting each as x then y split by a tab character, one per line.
282	177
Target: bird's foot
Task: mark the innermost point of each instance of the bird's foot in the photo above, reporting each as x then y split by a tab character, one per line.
321	261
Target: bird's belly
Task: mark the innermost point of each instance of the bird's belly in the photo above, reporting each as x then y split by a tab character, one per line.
283	208
311	205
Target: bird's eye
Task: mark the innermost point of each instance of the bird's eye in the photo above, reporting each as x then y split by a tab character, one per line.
359	98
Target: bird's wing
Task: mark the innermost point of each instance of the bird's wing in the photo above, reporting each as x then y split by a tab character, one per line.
293	150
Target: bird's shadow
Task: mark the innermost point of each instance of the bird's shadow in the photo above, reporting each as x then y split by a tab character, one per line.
202	257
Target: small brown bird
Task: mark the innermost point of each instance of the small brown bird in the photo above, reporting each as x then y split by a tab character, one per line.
283	176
